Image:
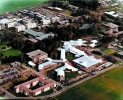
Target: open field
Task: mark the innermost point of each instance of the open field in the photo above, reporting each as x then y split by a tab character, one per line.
109	51
11	52
12	5
108	86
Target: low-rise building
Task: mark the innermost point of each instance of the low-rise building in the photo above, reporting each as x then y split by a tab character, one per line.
20	28
9	74
11	24
61	73
87	63
111	26
42	83
37	55
31	25
38	35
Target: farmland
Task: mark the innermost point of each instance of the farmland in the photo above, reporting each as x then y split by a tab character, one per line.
107	86
12	5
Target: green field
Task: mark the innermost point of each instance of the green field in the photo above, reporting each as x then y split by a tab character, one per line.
12	5
108	86
109	51
11	52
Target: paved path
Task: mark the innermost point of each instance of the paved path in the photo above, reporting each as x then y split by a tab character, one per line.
7	94
68	87
28	68
5	49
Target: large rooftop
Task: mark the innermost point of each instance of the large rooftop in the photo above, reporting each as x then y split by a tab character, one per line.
35	53
87	61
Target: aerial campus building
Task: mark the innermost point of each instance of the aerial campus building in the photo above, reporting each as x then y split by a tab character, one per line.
83	61
38	35
35	86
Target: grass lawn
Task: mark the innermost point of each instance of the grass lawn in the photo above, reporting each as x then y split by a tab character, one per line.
109	51
69	75
68	12
69	56
11	52
108	86
12	5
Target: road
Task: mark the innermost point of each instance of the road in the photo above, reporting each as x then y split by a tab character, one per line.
68	87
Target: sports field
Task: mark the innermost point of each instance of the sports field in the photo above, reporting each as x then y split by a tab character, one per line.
12	5
108	86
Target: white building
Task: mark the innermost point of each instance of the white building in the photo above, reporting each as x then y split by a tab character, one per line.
63	54
11	24
4	21
20	28
112	13
93	44
60	71
31	25
46	21
78	42
87	61
55	19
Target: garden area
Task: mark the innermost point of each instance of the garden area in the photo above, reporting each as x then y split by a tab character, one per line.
69	74
8	51
11	52
107	86
67	12
69	56
109	51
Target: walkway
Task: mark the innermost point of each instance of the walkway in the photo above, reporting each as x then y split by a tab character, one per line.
7	94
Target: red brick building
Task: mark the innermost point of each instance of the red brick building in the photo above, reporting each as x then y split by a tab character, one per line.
35	86
37	56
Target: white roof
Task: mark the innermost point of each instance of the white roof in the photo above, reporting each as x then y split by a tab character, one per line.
63	54
87	61
20	26
31	63
74	50
78	42
60	71
45	64
92	45
4	21
58	8
95	41
113	13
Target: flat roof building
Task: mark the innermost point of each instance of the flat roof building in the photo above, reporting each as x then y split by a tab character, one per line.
37	55
42	83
